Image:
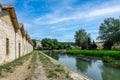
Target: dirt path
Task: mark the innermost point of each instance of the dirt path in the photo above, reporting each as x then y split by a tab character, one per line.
39	66
31	69
38	73
20	72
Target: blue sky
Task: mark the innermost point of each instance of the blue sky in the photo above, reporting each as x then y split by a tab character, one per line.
61	18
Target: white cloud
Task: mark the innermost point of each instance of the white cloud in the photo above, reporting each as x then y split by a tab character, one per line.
54	18
66	28
104	11
62	14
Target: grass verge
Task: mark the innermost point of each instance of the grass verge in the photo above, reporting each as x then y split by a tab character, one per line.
53	71
9	67
98	53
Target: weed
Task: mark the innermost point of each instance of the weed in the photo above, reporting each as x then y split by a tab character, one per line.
9	67
107	59
97	53
68	75
29	67
52	74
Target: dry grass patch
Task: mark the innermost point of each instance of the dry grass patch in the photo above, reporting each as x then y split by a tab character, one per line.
53	72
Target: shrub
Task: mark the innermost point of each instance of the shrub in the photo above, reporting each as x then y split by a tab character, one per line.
107	59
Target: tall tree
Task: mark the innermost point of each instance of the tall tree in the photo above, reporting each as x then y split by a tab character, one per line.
81	38
93	46
89	43
55	43
46	43
108	45
110	30
34	43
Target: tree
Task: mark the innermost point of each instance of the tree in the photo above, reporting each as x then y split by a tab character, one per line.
93	45
81	38
34	43
89	43
46	43
108	45
55	43
110	30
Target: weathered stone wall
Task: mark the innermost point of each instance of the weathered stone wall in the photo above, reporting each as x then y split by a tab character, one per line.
16	42
6	31
19	43
23	46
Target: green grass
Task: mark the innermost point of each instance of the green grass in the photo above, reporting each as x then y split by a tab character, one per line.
97	53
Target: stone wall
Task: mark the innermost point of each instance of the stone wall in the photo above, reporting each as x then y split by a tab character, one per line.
18	43
13	43
6	32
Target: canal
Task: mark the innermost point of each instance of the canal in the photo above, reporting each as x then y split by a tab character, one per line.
94	69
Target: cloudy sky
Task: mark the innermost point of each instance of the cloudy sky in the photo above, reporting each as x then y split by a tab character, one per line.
61	18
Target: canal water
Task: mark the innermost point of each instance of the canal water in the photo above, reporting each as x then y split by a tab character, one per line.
94	69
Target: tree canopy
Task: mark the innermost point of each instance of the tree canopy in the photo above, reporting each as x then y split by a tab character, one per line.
34	43
110	30
51	44
82	38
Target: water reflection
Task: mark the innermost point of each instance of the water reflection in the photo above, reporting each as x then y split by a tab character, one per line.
109	73
94	69
53	54
82	65
65	59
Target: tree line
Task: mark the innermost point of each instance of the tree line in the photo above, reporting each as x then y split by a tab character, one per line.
50	44
109	33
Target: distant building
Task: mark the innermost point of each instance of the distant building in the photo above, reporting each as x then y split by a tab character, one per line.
38	44
14	41
99	45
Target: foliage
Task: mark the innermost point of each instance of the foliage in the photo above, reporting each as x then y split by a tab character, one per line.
108	45
51	44
82	38
110	30
34	43
89	43
47	43
107	59
93	45
97	53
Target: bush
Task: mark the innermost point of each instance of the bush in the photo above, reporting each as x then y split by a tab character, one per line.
107	59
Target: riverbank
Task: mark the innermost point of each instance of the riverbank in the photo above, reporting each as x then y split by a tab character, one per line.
37	66
60	50
109	57
72	74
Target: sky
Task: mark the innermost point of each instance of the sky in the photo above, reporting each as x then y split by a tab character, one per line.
60	19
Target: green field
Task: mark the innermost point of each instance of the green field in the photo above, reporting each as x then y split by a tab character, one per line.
97	53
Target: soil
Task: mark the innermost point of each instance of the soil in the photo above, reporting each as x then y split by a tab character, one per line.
39	70
20	72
